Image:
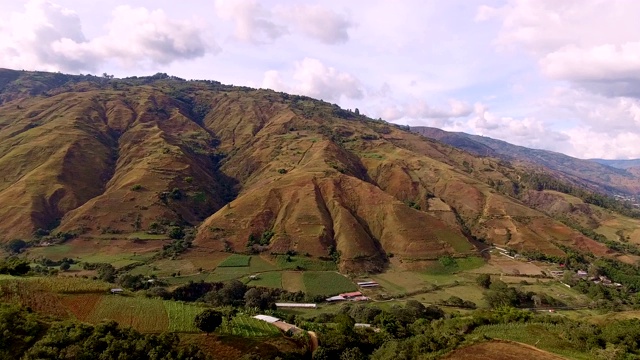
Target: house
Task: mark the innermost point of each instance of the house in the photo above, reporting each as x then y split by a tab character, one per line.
582	274
117	291
336	298
351	294
254	277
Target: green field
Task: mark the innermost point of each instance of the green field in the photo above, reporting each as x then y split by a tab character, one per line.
144	236
270	279
286	262
461	264
256	265
181	316
236	260
249	327
326	283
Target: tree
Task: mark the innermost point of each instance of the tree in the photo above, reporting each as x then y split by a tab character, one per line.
353	353
65	266
483	280
208	320
16	245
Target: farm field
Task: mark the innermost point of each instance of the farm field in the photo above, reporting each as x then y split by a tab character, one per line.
181	316
326	283
146	315
248	327
286	262
500	264
500	350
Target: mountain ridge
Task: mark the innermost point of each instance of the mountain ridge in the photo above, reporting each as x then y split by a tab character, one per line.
252	171
598	176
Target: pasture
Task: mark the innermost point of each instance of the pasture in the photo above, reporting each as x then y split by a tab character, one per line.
326	283
269	279
236	260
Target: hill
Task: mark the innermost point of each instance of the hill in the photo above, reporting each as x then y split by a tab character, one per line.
607	176
255	171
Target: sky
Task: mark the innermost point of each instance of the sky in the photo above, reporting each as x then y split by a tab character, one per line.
548	74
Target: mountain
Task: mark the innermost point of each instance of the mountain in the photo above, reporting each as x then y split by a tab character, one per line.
258	171
620	164
607	176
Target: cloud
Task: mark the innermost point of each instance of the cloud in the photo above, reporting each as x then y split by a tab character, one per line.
317	22
421	110
592	44
258	25
253	23
312	78
47	36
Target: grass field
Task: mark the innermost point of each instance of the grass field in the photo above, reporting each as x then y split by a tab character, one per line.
326	283
461	264
304	263
292	281
269	279
144	236
181	316
249	327
235	260
256	265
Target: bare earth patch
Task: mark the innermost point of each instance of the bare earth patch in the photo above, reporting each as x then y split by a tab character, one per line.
501	350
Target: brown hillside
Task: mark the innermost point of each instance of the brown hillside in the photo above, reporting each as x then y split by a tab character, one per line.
93	156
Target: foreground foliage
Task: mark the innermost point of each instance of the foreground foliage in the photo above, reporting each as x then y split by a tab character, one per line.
27	336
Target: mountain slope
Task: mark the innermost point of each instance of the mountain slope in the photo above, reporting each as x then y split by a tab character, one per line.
253	170
601	176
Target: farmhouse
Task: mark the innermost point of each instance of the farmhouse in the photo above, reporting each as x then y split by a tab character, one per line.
351	296
117	291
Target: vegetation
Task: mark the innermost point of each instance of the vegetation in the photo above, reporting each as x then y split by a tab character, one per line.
208	320
28	336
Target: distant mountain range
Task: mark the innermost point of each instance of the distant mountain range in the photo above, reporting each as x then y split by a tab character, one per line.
607	176
620	164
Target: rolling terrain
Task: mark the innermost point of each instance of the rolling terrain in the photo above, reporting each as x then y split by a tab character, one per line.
252	171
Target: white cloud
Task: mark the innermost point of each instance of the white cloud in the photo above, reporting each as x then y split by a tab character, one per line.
48	36
317	22
593	44
253	23
257	24
312	78
421	110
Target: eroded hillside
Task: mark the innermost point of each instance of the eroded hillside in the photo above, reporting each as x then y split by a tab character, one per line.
253	170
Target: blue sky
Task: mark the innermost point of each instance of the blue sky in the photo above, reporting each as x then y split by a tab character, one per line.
557	75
